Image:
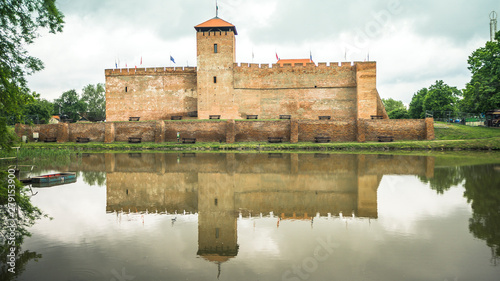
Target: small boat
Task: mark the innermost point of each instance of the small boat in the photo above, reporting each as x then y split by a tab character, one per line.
54	179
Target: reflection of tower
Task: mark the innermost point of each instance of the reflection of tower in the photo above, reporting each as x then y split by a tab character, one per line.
493	25
217	232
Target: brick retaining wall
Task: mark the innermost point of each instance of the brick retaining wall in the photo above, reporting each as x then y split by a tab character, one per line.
261	130
337	130
342	130
93	131
400	129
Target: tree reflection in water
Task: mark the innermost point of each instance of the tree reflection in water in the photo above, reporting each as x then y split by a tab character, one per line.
94	178
25	216
482	190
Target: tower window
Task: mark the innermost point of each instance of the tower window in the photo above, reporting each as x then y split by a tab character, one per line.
215	48
126	89
215	201
215	79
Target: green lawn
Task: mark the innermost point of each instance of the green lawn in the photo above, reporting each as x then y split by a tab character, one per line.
446	131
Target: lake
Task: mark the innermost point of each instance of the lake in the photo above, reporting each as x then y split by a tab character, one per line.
268	216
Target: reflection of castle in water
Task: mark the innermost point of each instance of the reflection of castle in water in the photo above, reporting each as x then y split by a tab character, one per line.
220	186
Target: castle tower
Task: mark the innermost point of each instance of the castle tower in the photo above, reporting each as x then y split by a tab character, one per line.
216	55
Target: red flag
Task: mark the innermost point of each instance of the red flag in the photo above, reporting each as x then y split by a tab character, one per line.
277	58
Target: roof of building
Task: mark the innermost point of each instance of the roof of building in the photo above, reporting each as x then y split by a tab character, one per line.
294	61
216	258
217	24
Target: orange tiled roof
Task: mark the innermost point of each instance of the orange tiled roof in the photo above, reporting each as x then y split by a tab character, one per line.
294	61
215	22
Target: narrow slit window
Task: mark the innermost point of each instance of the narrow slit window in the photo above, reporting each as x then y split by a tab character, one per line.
215	79
215	201
215	48
126	89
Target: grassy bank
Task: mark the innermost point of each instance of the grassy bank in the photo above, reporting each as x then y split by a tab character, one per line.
448	137
446	131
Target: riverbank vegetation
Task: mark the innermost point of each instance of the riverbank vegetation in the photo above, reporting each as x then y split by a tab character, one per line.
448	137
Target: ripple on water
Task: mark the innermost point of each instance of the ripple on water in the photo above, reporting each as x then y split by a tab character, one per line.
85	273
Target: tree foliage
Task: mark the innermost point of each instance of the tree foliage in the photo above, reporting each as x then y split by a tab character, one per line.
395	109
95	98
20	21
70	104
416	110
441	98
438	98
40	110
482	93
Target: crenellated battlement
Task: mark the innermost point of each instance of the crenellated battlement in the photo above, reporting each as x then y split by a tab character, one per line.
322	65
298	75
150	71
215	33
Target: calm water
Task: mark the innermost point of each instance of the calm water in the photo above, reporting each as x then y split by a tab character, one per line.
268	217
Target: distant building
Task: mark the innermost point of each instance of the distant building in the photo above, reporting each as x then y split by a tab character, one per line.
54	119
220	86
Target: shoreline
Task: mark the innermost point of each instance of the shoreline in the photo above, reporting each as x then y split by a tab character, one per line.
485	144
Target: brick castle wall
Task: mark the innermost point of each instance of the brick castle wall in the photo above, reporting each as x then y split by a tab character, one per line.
208	131
305	92
400	129
150	93
338	130
93	131
344	130
144	130
261	130
255	76
44	131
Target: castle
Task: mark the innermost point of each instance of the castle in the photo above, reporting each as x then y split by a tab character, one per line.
320	103
220	86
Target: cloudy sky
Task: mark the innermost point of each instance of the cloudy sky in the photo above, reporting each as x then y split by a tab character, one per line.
414	42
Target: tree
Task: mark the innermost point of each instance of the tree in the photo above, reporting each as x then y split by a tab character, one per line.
40	110
19	22
416	110
482	93
399	113
25	215
441	98
95	98
70	104
395	109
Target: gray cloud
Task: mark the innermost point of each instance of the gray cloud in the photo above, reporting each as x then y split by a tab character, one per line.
413	41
